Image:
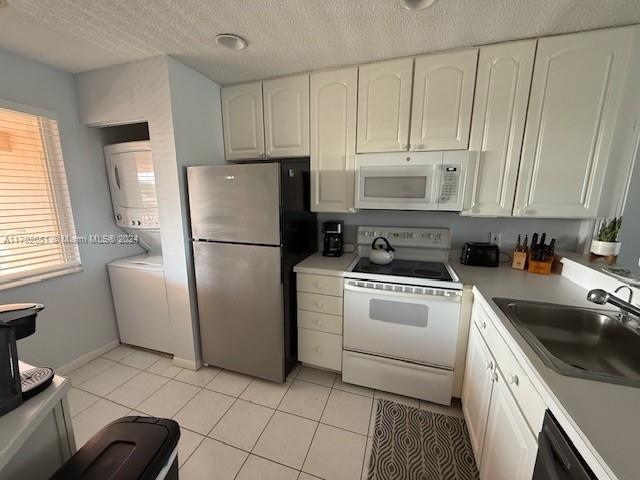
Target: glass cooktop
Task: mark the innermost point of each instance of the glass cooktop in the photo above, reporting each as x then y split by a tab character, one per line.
405	268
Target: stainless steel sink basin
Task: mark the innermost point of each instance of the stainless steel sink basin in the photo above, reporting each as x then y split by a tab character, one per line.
578	342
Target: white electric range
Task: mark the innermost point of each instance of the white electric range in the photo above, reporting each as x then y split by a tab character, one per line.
401	320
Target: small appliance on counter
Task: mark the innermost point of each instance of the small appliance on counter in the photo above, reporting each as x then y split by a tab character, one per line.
333	243
480	254
381	251
18	321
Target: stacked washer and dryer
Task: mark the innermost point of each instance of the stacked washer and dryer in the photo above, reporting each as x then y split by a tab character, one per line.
138	282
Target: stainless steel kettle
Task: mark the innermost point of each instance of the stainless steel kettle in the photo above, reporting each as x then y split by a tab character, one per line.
381	251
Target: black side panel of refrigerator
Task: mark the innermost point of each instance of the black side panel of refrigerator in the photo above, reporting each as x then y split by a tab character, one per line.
299	240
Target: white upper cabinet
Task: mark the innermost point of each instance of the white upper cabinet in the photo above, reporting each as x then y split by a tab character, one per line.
499	113
242	121
384	104
442	100
333	140
286	116
576	93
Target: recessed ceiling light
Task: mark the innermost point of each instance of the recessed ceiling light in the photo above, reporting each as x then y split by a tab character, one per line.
229	40
417	4
4	3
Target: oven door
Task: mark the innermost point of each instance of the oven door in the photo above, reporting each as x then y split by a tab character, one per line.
403	322
398	181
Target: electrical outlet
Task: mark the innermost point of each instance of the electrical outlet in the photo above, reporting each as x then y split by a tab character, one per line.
496	237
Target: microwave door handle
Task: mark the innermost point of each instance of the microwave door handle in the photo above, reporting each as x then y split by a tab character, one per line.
116	176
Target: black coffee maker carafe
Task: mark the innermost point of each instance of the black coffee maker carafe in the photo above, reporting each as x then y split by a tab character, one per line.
17	321
333	242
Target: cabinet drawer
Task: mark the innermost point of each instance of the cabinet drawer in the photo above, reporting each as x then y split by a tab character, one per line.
320	349
320	303
321	284
526	395
320	321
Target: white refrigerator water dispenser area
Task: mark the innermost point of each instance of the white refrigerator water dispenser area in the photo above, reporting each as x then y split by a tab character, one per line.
138	283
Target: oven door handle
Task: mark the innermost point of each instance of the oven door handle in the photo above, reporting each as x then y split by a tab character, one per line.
449	296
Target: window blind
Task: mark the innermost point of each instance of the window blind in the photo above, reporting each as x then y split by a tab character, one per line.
37	233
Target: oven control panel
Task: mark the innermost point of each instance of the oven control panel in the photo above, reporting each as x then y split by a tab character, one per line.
438	238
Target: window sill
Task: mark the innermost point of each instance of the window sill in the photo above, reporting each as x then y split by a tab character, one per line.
40	277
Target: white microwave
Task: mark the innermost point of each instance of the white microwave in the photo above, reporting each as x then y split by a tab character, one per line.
412	180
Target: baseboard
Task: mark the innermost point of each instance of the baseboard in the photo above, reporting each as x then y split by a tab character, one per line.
87	357
184	363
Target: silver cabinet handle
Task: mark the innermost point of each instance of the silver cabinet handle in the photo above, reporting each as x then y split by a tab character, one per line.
494	377
318	285
490	365
319	349
319	304
513	379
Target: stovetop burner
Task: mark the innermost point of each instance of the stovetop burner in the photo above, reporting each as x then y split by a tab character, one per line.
406	268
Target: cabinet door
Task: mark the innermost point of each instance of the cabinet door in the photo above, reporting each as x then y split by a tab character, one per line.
510	448
242	121
384	103
286	113
476	389
576	92
497	126
442	100
333	140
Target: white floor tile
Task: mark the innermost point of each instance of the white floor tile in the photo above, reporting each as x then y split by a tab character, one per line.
90	370
229	383
79	400
165	367
108	380
348	387
89	422
335	454
256	468
306	476
305	399
187	444
412	402
454	410
265	393
242	425
140	359
348	411
118	353
136	390
198	378
203	411
168	399
314	375
286	439
367	458
213	460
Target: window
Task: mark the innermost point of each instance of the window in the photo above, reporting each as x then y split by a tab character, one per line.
37	234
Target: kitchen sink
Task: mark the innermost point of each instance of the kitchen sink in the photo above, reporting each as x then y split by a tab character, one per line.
579	342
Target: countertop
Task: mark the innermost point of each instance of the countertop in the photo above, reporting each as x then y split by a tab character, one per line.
17	425
606	417
318	265
602	419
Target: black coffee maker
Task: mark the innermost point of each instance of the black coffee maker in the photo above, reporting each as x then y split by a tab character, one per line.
333	241
17	321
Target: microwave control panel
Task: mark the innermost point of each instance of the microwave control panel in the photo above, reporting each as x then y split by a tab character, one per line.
450	183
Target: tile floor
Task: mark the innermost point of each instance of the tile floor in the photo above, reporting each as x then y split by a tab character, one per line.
234	426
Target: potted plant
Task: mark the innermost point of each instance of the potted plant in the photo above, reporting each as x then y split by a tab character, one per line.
606	243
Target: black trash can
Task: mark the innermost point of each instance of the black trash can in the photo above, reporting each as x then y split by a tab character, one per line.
131	448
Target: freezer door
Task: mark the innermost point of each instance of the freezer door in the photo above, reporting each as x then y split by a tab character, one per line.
235	203
240	308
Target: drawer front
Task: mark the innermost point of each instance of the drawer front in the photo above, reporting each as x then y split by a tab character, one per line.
320	303
321	284
320	349
320	321
526	395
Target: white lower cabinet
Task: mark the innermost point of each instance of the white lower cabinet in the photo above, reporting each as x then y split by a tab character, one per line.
509	450
319	300
502	423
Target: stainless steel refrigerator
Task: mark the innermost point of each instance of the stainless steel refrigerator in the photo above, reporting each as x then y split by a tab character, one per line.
250	224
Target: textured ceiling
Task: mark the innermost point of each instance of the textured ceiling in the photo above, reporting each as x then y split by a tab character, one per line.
284	36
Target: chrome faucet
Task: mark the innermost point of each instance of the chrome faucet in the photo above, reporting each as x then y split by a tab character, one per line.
601	297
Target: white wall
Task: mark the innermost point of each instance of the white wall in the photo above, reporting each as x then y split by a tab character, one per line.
78	316
185	126
463	229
